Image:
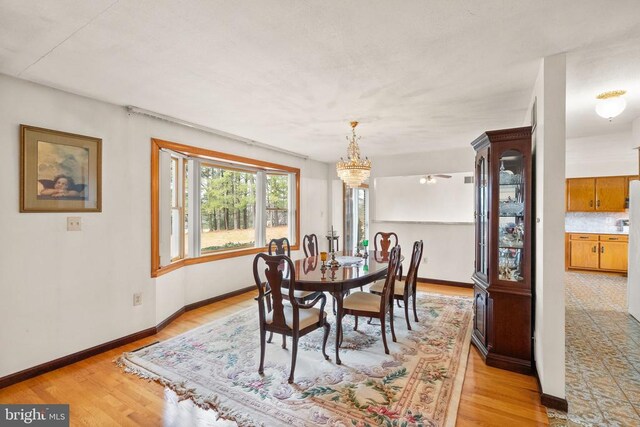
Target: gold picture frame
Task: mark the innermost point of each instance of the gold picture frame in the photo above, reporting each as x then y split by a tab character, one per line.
59	171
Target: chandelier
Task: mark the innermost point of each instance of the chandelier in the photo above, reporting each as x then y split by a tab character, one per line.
353	171
610	104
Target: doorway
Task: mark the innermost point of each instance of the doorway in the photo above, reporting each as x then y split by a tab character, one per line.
356	216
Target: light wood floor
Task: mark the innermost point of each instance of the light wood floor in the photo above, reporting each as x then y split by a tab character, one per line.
100	394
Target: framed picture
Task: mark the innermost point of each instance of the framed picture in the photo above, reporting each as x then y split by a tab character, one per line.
59	171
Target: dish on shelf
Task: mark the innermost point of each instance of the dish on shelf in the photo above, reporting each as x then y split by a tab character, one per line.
511	207
508	177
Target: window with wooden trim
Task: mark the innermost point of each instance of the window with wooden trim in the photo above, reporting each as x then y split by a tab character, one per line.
208	205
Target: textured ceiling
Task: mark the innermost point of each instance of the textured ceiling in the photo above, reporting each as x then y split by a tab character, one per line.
418	75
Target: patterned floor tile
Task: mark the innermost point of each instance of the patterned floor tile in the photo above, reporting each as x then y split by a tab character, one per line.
602	353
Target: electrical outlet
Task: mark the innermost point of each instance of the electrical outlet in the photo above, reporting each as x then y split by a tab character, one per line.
137	298
73	223
424	260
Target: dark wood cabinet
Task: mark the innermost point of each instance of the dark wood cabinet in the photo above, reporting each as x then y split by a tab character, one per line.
503	302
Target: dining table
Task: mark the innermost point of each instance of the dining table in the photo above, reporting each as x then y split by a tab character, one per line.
353	272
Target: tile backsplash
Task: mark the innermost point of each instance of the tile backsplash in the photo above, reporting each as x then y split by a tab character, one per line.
594	222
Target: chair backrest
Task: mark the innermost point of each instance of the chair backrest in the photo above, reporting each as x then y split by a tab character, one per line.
274	281
383	241
310	245
416	257
280	247
389	283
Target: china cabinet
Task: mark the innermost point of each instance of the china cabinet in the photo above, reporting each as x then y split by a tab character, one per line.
503	303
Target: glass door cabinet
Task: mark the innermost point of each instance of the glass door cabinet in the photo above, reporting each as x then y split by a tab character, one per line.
503	303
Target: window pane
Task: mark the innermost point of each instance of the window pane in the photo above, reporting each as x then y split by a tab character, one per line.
186	209
175	234
363	215
174	182
227	209
277	206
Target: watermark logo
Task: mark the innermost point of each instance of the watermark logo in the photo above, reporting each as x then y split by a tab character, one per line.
34	415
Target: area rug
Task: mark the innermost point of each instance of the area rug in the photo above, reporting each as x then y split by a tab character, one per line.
417	384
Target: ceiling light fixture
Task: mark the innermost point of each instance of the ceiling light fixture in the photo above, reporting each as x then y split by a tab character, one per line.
431	179
611	104
353	171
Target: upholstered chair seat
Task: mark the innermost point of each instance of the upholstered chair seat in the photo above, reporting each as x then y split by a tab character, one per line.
307	317
379	284
362	301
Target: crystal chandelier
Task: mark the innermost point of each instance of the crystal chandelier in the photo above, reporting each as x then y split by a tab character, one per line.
353	171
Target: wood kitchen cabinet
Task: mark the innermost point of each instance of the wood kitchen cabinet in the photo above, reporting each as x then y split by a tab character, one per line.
584	253
600	252
598	194
614	253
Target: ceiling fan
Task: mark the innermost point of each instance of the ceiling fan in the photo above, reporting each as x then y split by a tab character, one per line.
431	179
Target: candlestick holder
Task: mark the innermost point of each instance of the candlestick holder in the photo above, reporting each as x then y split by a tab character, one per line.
334	262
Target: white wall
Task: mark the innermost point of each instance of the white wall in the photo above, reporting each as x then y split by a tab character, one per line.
549	157
601	155
445	200
62	292
448	248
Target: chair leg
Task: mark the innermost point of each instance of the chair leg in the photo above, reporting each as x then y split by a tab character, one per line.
384	335
393	332
327	329
270	337
398	302
369	321
294	354
355	327
263	335
406	310
284	341
338	338
415	312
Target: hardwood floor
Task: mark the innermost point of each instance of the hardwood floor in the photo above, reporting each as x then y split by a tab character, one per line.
100	394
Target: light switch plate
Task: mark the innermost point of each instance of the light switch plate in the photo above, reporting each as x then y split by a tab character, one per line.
73	223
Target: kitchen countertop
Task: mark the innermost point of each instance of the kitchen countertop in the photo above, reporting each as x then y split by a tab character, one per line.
597	232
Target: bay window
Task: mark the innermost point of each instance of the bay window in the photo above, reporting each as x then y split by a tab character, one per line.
208	205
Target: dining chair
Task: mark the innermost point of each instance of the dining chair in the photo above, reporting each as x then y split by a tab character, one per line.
280	247
286	317
283	247
310	245
405	289
373	305
382	242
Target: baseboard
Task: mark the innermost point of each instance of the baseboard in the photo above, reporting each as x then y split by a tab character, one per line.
554	402
549	401
208	301
73	358
445	282
118	342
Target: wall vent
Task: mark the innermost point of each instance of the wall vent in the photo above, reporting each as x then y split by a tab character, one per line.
468	180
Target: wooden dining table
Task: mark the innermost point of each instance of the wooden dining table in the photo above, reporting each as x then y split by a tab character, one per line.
338	281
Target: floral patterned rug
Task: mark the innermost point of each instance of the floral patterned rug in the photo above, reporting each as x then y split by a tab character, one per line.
417	384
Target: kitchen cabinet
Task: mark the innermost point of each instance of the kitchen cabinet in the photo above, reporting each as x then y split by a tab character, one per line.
584	252
598	194
601	252
503	303
580	194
